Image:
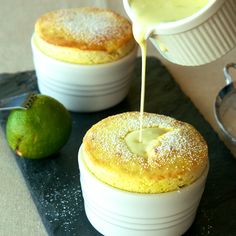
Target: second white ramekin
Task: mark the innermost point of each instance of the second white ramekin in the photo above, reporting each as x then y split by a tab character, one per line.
114	212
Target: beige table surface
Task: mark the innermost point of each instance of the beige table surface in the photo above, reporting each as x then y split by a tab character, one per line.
18	215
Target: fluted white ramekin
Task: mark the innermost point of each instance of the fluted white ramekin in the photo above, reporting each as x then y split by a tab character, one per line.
114	212
199	39
84	88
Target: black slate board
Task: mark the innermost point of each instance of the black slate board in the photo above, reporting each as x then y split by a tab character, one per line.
54	182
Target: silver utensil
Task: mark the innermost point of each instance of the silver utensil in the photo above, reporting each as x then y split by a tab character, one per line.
23	101
225	106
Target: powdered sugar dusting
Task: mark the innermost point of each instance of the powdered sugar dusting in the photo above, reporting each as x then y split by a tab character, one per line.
62	204
182	144
92	26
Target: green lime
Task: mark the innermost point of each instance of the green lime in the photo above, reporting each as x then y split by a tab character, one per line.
40	130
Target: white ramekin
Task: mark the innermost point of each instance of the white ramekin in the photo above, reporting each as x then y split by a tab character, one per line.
199	39
114	212
84	88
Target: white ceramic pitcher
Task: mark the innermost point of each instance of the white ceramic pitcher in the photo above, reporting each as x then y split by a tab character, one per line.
199	39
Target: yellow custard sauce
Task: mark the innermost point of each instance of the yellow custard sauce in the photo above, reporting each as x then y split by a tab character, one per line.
146	14
148	135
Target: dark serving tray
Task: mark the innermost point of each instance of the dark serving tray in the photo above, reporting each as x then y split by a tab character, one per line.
54	182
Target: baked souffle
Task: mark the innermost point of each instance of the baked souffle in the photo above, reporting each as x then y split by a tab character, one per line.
84	35
172	154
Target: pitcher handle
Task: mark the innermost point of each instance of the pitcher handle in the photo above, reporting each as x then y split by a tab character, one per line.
227	75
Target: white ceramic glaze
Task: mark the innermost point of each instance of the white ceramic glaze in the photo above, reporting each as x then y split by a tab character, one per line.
84	88
114	212
199	39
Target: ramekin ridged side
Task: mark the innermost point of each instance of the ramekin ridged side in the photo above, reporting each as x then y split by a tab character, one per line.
84	88
203	43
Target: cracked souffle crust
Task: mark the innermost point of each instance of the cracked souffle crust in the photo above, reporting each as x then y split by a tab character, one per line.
174	160
86	35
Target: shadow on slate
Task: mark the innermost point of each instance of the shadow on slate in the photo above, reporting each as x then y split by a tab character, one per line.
54	182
